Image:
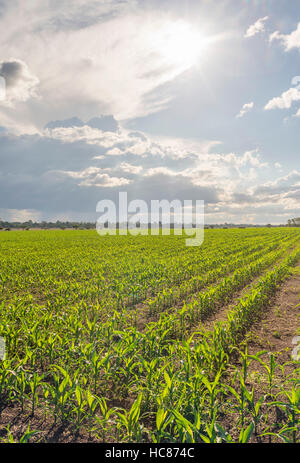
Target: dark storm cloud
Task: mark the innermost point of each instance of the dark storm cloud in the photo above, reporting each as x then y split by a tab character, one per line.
21	83
12	71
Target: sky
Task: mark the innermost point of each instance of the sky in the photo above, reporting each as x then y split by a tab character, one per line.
163	99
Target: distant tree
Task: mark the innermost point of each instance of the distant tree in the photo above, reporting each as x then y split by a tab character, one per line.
297	222
294	222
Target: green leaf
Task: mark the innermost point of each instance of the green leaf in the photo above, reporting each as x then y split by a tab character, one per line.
246	434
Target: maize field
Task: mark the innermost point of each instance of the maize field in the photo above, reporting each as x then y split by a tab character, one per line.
143	339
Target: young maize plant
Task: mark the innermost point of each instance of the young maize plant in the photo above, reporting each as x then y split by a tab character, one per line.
112	337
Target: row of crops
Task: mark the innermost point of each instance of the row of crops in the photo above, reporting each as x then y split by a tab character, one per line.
110	337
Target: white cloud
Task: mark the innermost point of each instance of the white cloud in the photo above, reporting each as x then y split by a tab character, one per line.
188	163
115	56
68	170
85	134
297	113
278	187
284	101
70	182
20	215
94	177
245	109
105	181
257	27
112	152
289	41
130	169
161	171
209	167
253	159
124	142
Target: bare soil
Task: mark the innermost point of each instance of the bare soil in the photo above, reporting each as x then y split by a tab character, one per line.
280	322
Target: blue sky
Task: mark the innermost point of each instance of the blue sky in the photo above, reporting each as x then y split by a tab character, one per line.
162	99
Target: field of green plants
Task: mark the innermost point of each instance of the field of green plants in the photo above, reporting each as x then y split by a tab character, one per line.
110	339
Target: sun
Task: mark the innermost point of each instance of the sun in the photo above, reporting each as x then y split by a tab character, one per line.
181	45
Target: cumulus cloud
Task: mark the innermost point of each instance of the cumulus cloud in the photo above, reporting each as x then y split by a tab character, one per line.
257	27
252	158
21	84
289	41
94	176
245	109
126	142
281	185
130	169
85	134
284	101
69	169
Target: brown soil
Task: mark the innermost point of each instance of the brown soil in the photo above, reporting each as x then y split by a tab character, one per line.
280	323
18	422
